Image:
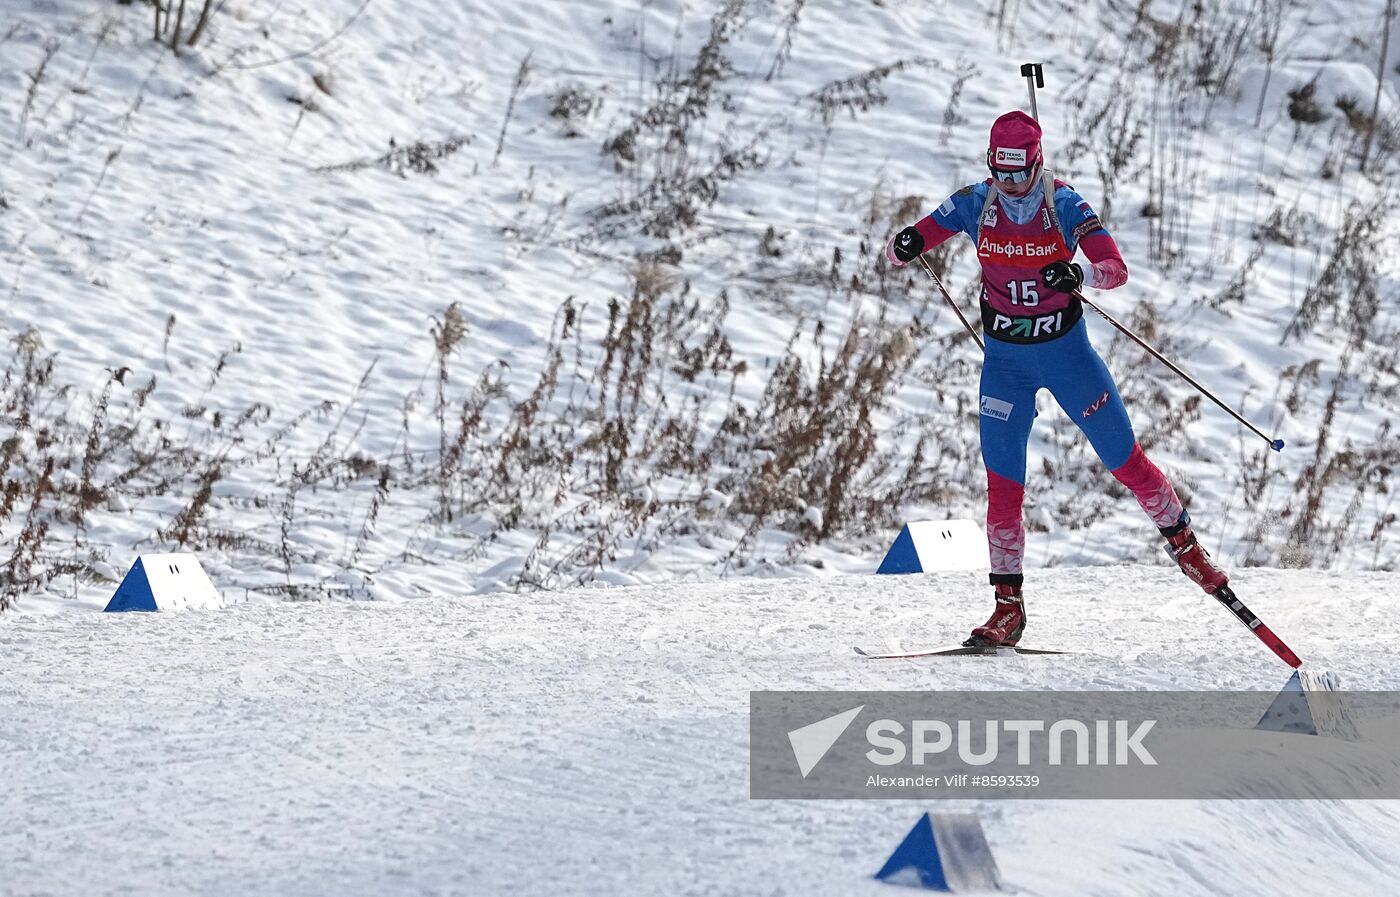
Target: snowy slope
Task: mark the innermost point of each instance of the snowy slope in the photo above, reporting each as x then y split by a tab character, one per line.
172	215
595	741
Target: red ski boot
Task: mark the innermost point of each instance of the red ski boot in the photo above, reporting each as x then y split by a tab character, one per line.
1183	548
1007	623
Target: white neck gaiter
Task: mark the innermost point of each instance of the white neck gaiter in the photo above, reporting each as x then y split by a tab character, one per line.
1022	208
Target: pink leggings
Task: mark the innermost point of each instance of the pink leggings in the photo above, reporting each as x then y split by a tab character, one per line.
1006	533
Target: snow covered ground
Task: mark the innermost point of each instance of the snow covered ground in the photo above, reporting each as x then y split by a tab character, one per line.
594	741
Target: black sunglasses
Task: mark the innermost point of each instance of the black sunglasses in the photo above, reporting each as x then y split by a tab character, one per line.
1013	176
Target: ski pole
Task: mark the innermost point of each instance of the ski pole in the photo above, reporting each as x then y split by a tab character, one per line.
1034	78
1275	444
928	269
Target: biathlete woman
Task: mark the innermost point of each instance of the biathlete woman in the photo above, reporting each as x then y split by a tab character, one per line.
1026	225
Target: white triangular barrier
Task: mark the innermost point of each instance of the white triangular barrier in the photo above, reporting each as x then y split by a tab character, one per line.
165	582
924	546
1311	703
944	852
1289	711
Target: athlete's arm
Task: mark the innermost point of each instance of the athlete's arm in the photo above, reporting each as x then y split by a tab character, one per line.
1107	269
1081	225
933	232
932	229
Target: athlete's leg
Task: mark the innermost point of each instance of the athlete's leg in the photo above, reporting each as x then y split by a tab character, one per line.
1151	487
1006	411
1084	388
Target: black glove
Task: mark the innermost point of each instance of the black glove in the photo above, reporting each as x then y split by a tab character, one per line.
1066	277
907	245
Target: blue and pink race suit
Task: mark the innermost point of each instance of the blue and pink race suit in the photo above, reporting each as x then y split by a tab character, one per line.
1036	339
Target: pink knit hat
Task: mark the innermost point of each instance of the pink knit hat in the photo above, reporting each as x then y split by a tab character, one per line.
1015	141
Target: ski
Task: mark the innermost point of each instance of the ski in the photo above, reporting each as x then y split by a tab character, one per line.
1226	596
962	651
